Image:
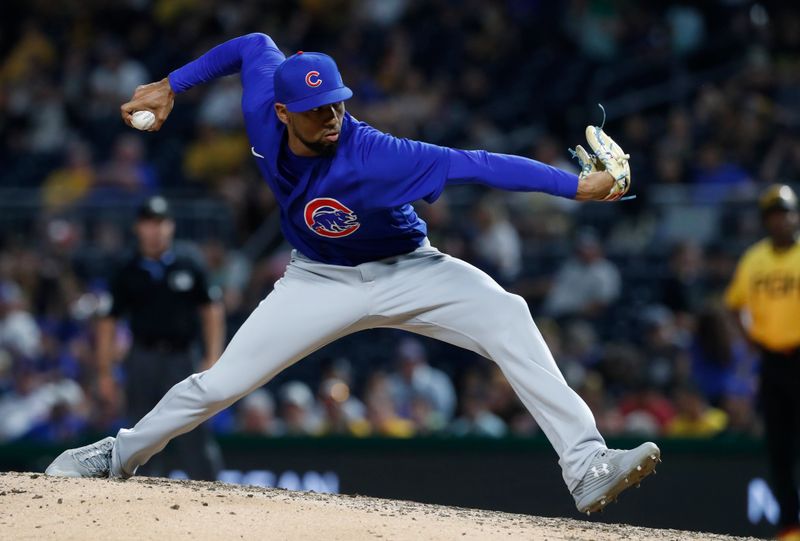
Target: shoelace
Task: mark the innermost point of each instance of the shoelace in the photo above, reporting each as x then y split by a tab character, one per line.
94	457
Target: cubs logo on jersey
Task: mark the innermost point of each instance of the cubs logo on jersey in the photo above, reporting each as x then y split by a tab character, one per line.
328	217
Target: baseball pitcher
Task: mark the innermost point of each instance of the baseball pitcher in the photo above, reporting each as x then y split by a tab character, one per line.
361	260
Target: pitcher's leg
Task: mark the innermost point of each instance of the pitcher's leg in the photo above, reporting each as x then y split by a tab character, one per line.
453	301
301	315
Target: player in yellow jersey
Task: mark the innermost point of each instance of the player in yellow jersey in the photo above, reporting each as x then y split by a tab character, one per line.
765	297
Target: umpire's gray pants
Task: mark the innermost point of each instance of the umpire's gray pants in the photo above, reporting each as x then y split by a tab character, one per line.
150	372
425	292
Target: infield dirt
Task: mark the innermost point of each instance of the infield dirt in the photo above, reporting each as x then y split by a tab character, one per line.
33	506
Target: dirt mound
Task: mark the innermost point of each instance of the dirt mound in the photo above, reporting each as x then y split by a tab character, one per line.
33	506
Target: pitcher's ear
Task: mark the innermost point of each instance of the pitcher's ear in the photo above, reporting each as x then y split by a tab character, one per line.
282	112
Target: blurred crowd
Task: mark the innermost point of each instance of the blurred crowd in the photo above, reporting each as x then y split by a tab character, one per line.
704	96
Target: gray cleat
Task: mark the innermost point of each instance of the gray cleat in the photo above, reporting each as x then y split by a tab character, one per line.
93	460
612	471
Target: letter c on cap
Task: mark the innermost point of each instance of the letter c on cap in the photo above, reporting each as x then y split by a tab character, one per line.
312	79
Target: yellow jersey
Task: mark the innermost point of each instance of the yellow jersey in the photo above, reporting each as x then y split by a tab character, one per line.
767	285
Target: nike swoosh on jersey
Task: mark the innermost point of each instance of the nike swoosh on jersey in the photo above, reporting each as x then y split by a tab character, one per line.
256	154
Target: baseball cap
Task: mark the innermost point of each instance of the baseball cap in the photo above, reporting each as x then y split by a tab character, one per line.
307	80
778	197
153	207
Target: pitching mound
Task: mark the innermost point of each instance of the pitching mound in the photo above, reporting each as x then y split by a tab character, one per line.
33	506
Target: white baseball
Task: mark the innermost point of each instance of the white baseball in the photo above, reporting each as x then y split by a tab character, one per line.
143	120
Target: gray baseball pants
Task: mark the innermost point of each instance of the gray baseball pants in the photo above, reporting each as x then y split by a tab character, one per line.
425	292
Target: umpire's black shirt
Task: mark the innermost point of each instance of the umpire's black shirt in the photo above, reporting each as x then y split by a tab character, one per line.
161	297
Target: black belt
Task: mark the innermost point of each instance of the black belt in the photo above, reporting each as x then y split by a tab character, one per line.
161	344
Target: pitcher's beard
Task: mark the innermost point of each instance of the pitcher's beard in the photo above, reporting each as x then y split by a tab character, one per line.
322	148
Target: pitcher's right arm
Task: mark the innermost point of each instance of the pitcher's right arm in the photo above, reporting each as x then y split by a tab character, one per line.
255	56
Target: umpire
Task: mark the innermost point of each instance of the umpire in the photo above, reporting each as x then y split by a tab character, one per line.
767	287
164	293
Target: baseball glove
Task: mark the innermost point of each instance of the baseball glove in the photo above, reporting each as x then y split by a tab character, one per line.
606	156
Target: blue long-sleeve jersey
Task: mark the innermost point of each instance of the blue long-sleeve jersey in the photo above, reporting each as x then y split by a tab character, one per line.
355	206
